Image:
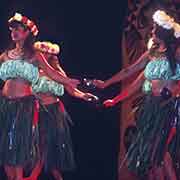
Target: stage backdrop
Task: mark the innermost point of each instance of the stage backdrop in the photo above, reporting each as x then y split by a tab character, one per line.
137	28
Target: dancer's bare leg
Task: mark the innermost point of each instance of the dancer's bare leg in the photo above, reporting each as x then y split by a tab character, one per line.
36	171
151	175
10	172
19	173
159	173
156	173
168	167
56	174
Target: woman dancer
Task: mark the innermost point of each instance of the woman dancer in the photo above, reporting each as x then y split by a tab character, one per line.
154	147
18	106
56	146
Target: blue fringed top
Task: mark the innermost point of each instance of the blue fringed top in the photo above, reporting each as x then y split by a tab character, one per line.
159	69
45	85
19	69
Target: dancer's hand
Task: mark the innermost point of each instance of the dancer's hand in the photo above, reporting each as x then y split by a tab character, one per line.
90	97
109	103
99	83
73	83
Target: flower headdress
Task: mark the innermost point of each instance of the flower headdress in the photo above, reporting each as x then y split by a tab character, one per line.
167	22
176	30
25	21
47	47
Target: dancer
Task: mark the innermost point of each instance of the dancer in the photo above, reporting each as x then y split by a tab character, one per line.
18	106
153	149
56	145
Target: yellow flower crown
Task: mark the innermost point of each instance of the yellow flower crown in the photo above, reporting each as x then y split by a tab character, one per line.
27	22
162	19
47	47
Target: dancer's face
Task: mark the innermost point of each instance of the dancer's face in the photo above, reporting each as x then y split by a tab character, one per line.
47	56
18	32
157	43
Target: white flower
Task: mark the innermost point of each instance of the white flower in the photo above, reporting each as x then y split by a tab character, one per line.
176	30
163	20
17	17
47	47
56	47
37	45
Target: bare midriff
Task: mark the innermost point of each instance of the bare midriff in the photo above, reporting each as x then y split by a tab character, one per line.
15	88
158	85
48	98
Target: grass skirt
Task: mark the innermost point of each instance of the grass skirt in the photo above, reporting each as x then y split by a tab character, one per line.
17	138
156	117
56	143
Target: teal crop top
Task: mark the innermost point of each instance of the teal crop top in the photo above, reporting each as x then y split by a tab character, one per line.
19	68
45	85
159	69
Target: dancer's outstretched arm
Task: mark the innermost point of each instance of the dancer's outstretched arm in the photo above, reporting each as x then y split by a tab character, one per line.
54	74
125	73
72	91
127	92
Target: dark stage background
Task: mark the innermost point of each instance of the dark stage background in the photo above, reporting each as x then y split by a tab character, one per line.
90	36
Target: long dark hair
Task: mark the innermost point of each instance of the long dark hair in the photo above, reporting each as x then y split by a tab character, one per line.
167	36
28	43
28	46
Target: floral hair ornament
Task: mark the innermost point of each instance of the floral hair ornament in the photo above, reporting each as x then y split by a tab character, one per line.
47	47
163	20
176	30
167	22
25	21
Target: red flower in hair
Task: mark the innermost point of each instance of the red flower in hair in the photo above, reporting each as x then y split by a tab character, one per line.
24	19
27	22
